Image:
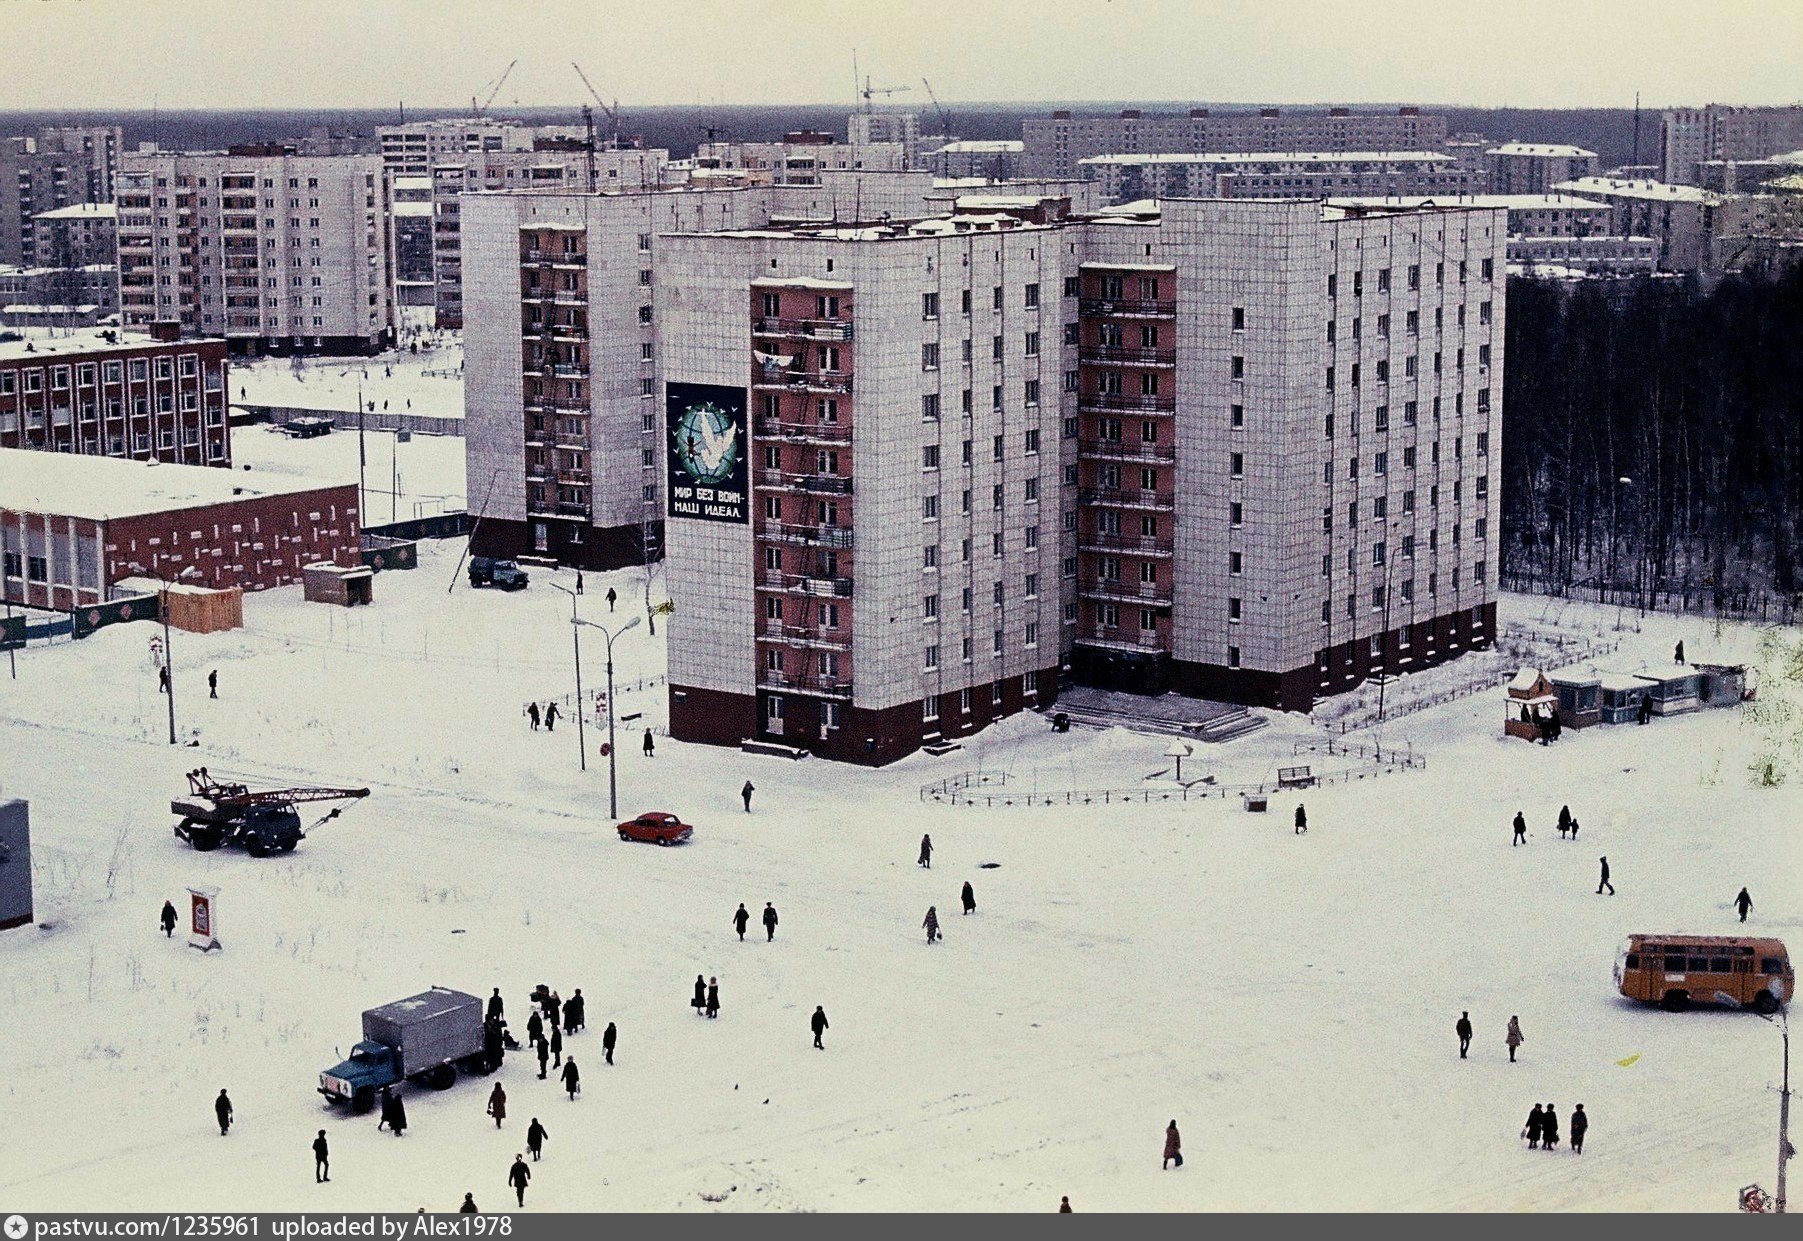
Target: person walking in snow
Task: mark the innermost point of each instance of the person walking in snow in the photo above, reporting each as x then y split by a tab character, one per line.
163	679
926	852
1521	831
496	1006
222	1111
818	1022
1173	1145
1301	820
1646	709
1549	1128
579	581
650	746
1564	820
536	1134
713	998
746	793
1603	881
573	1015
394	1112
1678	652
1463	1030
497	1104
550	717
213	683
608	1037
1514	1038
932	923
699	1003
741	920
544	1057
554	1009
1531	1131
969	897
769	922
1743	902
1579	1123
572	1079
519	1176
556	1045
611	596
469	1206
532	714
168	917
535	1027
322	1159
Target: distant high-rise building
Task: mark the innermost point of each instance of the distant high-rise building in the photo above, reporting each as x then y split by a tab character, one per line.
1054	145
865	128
57	167
1535	167
800	158
1690	136
413	148
1281	174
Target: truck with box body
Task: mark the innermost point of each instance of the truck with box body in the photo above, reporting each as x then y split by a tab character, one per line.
426	1038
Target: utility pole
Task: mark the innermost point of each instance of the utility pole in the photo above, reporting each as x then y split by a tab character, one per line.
613	797
576	640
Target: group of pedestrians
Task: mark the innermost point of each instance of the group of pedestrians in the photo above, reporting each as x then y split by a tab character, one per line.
1513	1039
742	918
548	717
1568	830
1542	1128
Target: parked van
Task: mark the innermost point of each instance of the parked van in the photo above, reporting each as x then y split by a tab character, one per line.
503	574
1676	971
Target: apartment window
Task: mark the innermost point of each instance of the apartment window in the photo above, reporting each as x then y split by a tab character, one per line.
1073	285
929	357
1235	563
929	607
964	307
1236	464
1032	344
1239	318
1233	610
929	457
1032	440
1031	394
929	406
1236	514
932	657
1483	443
929	508
1233	657
929	305
929	557
1239	367
1032	302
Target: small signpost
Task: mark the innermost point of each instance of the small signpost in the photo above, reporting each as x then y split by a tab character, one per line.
203	924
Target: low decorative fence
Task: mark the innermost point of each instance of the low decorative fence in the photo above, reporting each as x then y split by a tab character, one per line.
998	788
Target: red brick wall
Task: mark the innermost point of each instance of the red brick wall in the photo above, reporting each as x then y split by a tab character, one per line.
29	419
256	542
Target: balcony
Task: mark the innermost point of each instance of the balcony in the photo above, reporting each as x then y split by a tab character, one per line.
804	432
810	683
1122	637
568	370
802	329
1115	355
1126	544
559	508
828	383
1121	450
1091	402
804	534
814	484
801	584
804	637
1128	307
1158	594
1128	497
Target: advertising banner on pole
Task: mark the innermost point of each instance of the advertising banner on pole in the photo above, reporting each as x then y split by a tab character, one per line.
709	442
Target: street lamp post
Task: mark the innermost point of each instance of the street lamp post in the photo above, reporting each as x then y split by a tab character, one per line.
576	640
1785	1150
613	798
168	651
1384	683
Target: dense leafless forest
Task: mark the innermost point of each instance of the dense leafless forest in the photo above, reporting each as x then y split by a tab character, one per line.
1653	442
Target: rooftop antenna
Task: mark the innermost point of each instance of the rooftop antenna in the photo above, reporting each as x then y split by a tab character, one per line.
1636	160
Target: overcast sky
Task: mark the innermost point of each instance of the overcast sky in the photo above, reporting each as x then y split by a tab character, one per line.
438	53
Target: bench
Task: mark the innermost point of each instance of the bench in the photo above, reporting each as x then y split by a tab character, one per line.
1295	778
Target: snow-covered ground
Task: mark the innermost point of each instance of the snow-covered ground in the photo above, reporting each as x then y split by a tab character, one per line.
428	468
424	375
1288	1000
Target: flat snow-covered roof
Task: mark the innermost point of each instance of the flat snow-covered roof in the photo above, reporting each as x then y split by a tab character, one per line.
82	211
1653	191
1272	157
1546	150
43	344
97	488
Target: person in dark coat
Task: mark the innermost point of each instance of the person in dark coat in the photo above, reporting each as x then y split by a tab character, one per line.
573	1012
1301	820
1574	827
1564	819
699	1003
926	852
496	1008
746	793
932	923
769	922
1521	831
579	581
609	1037
556	1041
1514	1038
497	1104
741	920
519	1176
222	1110
713	998
1173	1145
532	714
536	1134
1549	1128
394	1112
469	1206
969	897
1678	652
1579	1123
1463	1030
650	746
1531	1131
535	1027
544	1057
572	1079
213	683
818	1022
1743	902
163	679
1064	1205
611	597
1646	708
551	717
1603	882
168	918
322	1159
554	1009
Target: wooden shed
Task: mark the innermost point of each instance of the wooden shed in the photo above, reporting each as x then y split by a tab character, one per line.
325	582
1620	694
1673	693
1721	685
1580	698
192	609
1530	702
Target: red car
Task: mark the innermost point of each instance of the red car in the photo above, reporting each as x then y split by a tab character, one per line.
656	827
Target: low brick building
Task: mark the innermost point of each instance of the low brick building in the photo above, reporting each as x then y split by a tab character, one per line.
71	527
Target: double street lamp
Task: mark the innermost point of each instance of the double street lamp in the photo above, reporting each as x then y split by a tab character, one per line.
576	639
613	798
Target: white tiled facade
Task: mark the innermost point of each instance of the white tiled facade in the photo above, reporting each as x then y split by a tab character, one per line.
414	148
276	252
1280	174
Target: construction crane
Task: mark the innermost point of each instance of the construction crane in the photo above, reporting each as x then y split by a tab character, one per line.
264	821
863	87
945	118
611	111
477	109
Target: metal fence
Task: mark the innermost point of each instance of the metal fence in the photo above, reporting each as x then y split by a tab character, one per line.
991	788
1744	603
